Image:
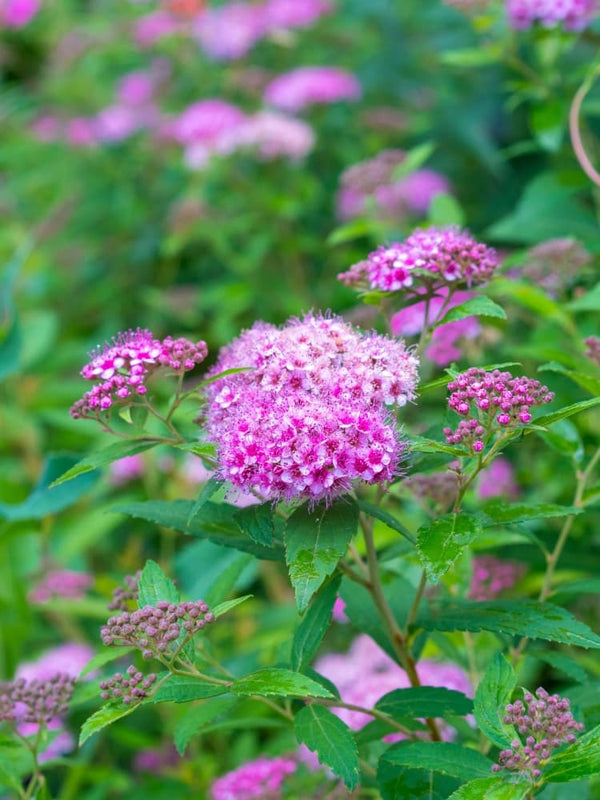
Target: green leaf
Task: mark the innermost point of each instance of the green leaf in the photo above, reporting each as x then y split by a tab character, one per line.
199	717
528	618
563	663
314	542
547	122
567	411
586	381
399	783
15	763
46	498
492	789
313	626
414	159
103	717
104	657
442	541
492	695
579	760
11	342
587	302
214	521
257	522
480	306
223	608
444	210
496	512
420	444
210	487
330	738
386	518
532	298
445	757
184	688
564	438
352	230
472	56
107	455
154	586
425	701
279	682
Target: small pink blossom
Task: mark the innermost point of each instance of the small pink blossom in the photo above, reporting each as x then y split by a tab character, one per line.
46	128
491	576
81	132
18	13
255	780
285	14
572	15
135	88
67	659
127	469
61	583
229	31
154	26
273	135
339	613
305	86
116	122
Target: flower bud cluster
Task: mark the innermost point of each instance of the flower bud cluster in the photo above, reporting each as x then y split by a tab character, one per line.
122	368
593	348
431	258
491	401
124	596
155	630
129	688
438	488
545	723
37	701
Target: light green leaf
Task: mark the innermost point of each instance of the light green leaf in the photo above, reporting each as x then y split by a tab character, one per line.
442	541
492	789
314	542
107	455
278	682
154	586
313	626
103	717
386	518
226	606
445	757
198	717
414	159
104	657
472	56
480	306
492	695
444	210
497	512
184	688
587	302
579	760
563	413
331	739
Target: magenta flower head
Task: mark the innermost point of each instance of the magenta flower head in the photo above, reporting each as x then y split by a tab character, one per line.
312	411
121	369
18	13
260	779
306	86
544	722
572	15
593	349
430	259
490	402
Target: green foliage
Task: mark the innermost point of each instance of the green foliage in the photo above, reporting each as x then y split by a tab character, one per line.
313	626
445	757
278	682
442	541
425	701
154	586
331	739
491	698
579	760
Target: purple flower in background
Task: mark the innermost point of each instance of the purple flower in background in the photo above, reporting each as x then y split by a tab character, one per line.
61	583
572	15
593	349
284	14
306	86
68	659
492	575
498	480
274	135
18	13
154	26
206	122
156	759
229	31
339	613
81	132
136	88
260	779
126	469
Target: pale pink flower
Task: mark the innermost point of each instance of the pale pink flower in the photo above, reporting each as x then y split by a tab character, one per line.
256	780
135	88
67	659
572	15
46	128
229	31
81	131
154	26
61	583
18	13
498	480
127	469
116	122
339	613
492	575
305	86
274	135
285	14
207	123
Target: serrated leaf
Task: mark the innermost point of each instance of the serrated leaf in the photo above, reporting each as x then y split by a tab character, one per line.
107	455
106	656
442	541
257	523
401	783
331	739
223	608
579	760
529	618
492	789
155	586
214	521
425	701
564	438
103	717
563	663
210	487
445	757
386	518
15	762
587	382
278	682
197	718
493	694
313	626
420	444
314	543
480	306
567	411
184	688
497	512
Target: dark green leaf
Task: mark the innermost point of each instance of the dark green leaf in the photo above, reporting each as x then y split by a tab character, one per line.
198	717
563	663
497	512
492	789
492	695
567	411
10	343
314	542
386	518
442	541
579	760
445	757
480	306
257	523
330	738
351	231
425	701
564	438
183	688
154	586
279	682
528	618
15	763
107	455
103	717
313	626
400	783
210	487
422	445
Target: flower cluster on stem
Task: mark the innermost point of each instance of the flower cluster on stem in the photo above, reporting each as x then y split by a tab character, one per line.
36	701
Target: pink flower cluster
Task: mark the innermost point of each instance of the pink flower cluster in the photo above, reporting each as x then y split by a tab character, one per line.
442	348
491	576
310	413
260	779
229	31
305	86
434	258
372	181
17	13
365	673
593	349
497	480
122	368
572	15
546	722
61	583
440	489
496	398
